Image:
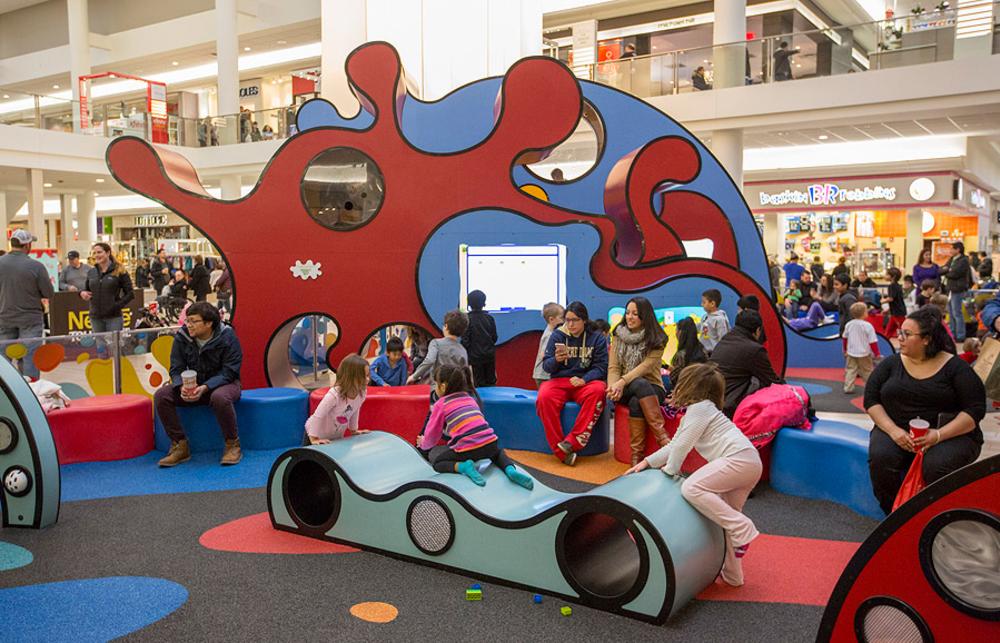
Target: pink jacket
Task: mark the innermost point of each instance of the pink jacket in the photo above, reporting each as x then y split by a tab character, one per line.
761	414
335	415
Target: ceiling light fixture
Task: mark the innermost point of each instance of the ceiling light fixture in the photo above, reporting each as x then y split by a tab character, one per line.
55	87
246	49
46	185
174	63
282	42
100	180
822	137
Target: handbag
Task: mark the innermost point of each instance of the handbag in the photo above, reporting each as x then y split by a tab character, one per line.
913	483
986	367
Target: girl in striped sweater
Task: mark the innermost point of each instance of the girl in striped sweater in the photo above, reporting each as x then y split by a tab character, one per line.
457	418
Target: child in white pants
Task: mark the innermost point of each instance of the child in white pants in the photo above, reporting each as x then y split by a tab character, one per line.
720	488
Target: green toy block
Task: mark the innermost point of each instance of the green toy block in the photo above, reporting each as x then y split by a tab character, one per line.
566	610
473	594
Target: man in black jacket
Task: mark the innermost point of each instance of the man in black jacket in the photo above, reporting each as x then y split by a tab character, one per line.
958	274
159	272
211	349
845	298
743	360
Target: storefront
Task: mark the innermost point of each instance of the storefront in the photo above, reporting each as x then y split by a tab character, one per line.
140	235
875	221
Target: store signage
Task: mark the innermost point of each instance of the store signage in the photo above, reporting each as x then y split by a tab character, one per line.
70	314
247	92
150	220
821	194
922	189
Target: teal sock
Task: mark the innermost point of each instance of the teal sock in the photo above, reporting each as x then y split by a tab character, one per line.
519	478
468	468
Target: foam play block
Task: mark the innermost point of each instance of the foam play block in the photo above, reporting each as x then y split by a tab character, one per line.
268	418
511	412
400	410
107	427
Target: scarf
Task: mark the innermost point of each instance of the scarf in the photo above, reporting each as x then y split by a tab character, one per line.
630	347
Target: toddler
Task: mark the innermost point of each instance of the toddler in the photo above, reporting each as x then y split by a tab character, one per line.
715	323
338	411
970	350
860	347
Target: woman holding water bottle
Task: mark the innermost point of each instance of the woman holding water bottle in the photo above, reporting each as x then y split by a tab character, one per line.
922	399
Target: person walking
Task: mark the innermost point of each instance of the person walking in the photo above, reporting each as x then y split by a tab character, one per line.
160	271
224	289
783	61
108	289
142	274
200	281
24	283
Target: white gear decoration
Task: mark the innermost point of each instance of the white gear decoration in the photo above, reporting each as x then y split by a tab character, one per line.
307	270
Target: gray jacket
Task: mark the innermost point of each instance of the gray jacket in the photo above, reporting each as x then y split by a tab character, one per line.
76	277
439	352
24	282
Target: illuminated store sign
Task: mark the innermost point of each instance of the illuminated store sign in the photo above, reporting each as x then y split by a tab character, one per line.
821	194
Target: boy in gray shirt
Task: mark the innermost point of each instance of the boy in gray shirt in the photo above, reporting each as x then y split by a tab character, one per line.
447	350
715	324
552	313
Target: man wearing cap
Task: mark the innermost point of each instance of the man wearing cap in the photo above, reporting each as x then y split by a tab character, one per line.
24	283
74	276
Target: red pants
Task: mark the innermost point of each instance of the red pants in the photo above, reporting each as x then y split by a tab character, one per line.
894	325
552	397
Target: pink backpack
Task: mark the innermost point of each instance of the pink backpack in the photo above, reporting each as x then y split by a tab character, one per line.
761	414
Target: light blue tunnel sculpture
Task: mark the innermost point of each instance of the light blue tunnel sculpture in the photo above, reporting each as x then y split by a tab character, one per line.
633	546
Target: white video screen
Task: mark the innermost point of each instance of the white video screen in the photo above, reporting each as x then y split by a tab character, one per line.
513	277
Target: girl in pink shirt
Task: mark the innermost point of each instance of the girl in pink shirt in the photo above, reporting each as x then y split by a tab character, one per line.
456	417
338	411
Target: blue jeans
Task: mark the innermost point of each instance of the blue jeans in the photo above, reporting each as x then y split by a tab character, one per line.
955	318
105	326
22	332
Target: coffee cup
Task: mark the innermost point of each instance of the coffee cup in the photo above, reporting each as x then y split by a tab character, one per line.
189	379
919	428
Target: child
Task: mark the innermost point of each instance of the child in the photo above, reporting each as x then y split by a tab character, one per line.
940	301
909	294
447	350
390	369
552	313
480	341
456	417
860	345
897	305
338	411
970	350
715	323
792	298
720	488
927	289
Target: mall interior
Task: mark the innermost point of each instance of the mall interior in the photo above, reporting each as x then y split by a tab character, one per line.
857	132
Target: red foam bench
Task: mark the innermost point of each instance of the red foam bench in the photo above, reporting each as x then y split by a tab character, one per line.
400	410
107	427
693	461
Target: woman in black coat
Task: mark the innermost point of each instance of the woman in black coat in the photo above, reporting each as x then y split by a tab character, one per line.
200	279
108	289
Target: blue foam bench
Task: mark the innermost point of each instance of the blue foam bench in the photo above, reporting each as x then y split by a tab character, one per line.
511	413
268	418
829	462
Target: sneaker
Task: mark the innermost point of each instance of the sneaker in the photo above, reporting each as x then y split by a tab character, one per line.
232	454
565	447
179	452
741	551
570	459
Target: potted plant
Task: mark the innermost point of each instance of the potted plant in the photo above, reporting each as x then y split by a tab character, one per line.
917	10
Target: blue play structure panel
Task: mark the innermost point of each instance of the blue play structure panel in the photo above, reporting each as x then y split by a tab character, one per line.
811	389
511	413
829	462
140	476
93	609
12	556
268	418
822	347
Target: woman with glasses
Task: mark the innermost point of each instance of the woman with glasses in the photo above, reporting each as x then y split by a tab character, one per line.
577	359
924	380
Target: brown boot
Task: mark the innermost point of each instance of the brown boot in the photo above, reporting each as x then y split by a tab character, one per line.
179	452
637	438
654	418
232	454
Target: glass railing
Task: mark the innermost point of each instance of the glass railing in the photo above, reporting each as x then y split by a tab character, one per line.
902	41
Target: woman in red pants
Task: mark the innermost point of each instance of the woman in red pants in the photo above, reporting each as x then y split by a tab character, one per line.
577	359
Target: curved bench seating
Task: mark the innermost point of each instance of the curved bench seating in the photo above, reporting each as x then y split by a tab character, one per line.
511	412
107	427
268	418
829	462
633	546
400	410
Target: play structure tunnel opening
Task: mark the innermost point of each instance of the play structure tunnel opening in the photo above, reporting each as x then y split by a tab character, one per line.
312	493
601	554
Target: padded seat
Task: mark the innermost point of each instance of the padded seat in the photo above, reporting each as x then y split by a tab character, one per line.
268	418
511	412
829	462
98	429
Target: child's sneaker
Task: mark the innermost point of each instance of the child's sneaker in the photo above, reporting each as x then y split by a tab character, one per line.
741	551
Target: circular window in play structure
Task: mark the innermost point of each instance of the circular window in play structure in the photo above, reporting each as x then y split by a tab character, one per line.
430	525
342	188
312	495
960	556
296	354
575	156
884	618
600	555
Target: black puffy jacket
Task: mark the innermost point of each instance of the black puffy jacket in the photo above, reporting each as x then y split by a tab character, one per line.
218	362
109	292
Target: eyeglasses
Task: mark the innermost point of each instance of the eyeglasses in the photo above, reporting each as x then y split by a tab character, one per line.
905	334
572	320
192	322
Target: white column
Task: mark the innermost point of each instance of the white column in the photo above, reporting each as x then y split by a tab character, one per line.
730	26
531	28
5	215
227	45
727	147
343	28
78	20
914	237
36	207
86	213
66	221
231	186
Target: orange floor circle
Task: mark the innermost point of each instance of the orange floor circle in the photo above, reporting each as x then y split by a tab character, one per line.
375	612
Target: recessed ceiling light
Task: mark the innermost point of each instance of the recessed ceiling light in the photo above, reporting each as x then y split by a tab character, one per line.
282	42
246	49
174	63
55	87
46	185
822	137
100	180
6	95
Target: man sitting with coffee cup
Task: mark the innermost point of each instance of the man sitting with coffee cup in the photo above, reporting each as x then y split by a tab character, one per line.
204	369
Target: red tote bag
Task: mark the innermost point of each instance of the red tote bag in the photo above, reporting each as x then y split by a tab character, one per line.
913	483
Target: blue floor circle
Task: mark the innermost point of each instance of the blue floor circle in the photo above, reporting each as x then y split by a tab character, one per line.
12	556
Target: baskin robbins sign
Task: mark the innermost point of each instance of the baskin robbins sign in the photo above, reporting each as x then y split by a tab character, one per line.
898	191
827	194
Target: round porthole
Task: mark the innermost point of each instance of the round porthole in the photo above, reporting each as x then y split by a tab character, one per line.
17	481
884	618
342	188
312	495
430	525
960	556
8	436
599	555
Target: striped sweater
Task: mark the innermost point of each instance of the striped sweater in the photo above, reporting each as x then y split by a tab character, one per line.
458	418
